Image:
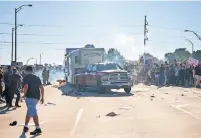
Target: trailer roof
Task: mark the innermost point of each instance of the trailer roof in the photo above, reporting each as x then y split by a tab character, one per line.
82	49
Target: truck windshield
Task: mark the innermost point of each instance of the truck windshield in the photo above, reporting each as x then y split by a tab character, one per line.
102	67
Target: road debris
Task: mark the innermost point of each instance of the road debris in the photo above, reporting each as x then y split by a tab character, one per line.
112	114
166	93
182	94
14	123
153	96
49	103
151	99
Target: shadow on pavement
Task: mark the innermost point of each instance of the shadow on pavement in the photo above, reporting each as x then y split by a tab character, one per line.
23	135
70	91
95	94
5	110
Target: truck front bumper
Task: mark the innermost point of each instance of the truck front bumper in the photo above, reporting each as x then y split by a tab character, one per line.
117	85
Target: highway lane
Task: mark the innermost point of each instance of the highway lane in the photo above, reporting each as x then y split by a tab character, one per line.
149	113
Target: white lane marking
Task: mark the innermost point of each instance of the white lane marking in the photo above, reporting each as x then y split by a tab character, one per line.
187	112
79	115
182	105
174	102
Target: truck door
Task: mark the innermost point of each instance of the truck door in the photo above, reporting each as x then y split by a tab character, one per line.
93	76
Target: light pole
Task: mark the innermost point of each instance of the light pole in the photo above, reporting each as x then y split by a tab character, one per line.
36	60
29	60
193	33
40	57
16	11
13	29
191	44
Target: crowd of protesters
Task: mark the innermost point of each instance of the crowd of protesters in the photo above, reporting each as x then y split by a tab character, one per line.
14	81
177	74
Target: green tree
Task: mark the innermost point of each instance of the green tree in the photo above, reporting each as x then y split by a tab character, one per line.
197	55
181	54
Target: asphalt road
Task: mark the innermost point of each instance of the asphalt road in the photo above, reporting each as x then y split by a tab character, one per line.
168	112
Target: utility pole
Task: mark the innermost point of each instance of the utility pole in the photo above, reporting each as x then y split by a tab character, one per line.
191	44
40	57
12	46
145	31
16	35
16	11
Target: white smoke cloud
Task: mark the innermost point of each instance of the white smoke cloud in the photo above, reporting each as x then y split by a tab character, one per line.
128	45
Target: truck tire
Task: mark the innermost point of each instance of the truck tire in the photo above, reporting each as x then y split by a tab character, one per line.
100	89
127	90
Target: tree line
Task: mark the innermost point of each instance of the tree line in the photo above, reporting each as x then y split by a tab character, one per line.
181	54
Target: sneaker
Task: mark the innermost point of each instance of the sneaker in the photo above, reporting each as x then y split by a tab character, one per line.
26	129
197	86
36	132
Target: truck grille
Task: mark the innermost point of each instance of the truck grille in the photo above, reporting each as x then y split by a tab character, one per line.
118	76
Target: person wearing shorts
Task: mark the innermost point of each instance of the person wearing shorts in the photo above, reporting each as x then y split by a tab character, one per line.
33	93
197	75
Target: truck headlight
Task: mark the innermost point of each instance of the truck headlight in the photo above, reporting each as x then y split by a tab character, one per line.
129	76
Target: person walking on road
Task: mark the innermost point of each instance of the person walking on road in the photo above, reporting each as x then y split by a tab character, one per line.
33	92
14	87
161	75
45	75
8	95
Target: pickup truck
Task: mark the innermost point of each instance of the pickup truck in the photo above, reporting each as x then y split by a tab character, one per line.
103	77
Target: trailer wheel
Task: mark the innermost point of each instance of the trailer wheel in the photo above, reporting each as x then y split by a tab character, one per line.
78	87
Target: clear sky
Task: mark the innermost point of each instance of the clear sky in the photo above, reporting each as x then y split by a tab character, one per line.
104	24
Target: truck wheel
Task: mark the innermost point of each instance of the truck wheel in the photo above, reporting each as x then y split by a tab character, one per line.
103	90
127	90
100	89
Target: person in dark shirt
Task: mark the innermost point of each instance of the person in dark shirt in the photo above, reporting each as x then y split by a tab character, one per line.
172	75
14	87
189	75
197	74
182	74
33	92
1	88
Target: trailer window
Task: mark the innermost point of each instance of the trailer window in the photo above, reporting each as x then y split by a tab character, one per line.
94	68
89	67
76	60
